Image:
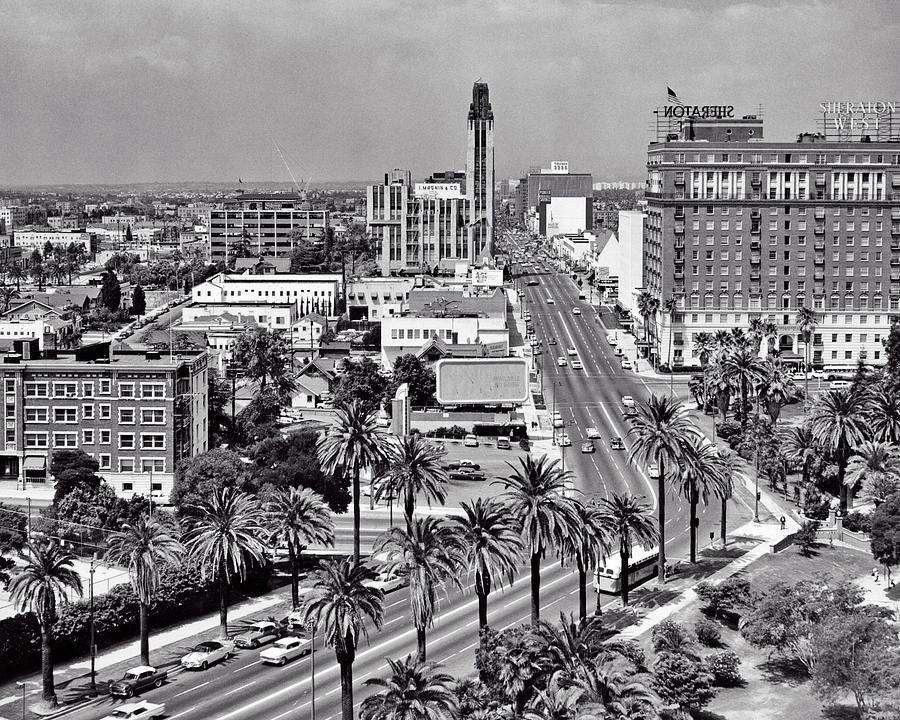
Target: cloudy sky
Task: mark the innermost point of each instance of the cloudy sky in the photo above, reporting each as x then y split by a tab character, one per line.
163	91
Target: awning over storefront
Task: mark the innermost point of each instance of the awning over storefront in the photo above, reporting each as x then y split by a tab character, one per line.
35	462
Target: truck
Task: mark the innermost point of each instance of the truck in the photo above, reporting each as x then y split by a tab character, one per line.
137	679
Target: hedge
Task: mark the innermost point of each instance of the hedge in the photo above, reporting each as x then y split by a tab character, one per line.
181	595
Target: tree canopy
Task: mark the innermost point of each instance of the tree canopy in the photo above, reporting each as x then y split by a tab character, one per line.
885	533
362	381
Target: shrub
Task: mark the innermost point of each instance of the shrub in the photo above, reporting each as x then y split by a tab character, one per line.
629	650
724	597
525	444
728	429
684	682
725	668
454	432
805	537
858	522
707	632
671	637
816	505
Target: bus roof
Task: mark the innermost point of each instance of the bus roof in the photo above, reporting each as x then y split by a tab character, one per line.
612	566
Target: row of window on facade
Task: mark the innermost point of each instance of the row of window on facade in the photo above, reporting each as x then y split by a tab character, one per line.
74	439
69	389
69	415
778	158
419	334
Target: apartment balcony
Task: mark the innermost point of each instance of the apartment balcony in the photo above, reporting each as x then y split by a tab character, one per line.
679	215
895	214
754	214
818	275
819	230
679	179
895	244
895	179
895	262
820	215
755	229
819	260
895	276
679	228
755	259
895	229
755	180
755	245
755	275
819	245
820	180
679	276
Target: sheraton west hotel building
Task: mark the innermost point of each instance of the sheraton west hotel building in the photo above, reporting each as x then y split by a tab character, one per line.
739	226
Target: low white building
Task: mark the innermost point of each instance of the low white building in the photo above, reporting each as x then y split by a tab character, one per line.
31	240
311	293
372	299
307	331
631	252
269	315
449	323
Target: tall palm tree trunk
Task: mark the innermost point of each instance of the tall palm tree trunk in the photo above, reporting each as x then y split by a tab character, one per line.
722	520
623	568
223	600
420	643
582	592
806	374
49	686
145	633
409	507
842	473
693	527
295	579
356	522
345	660
482	588
661	490
535	587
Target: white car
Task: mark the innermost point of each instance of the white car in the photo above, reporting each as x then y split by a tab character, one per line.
576	365
611	339
550	301
133	711
470	441
653	471
627	364
207	653
592	432
259	633
285	649
627	401
576	311
561	361
564	440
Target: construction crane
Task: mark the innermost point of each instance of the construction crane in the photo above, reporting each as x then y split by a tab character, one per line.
288	168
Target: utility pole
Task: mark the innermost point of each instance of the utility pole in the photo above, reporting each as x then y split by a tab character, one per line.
93	642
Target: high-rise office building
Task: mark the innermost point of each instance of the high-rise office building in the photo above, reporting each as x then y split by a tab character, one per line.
480	170
741	228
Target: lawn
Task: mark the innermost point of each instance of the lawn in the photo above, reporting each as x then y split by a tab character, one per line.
774	689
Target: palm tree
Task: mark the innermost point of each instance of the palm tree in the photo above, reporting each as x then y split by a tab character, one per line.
224	537
702	475
414	690
770	333
617	686
353	444
670	307
430	555
731	469
876	467
412	467
46	576
569	646
493	547
739	339
884	415
661	430
535	498
744	369
587	548
647	306
800	445
7	293
143	547
631	521
18	273
838	422
755	332
705	346
557	701
298	517
724	340
806	319
776	387
338	603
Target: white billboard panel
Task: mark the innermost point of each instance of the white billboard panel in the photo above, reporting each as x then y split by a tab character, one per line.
481	381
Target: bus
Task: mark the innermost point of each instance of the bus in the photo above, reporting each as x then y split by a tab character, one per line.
641	567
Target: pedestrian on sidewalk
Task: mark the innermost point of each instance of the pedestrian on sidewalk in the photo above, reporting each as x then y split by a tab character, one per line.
875	574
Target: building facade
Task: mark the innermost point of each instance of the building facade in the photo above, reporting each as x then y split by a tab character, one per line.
556	201
268	224
139	414
311	293
480	170
738	228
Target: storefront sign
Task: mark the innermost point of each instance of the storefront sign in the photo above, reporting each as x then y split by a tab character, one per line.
698	111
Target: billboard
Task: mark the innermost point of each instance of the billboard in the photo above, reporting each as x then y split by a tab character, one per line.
481	381
438	190
487	277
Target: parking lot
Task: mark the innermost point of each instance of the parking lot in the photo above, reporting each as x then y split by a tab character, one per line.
491	461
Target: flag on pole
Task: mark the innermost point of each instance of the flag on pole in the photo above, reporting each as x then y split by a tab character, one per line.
672	97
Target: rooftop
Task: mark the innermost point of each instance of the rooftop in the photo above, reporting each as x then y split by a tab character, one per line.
444	302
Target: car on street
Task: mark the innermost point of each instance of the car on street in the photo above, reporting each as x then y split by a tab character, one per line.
535	341
561	361
502	443
627	401
470	441
587	446
550	301
572	352
576	311
576	365
564	440
618	352
286	649
627	364
611	339
653	471
527	316
551	341
207	653
466	474
616	443
137	679
534	282
839	384
557	419
136	711
592	432
536	350
259	633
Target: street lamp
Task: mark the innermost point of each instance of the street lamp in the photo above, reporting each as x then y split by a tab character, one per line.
23	684
91	610
312	671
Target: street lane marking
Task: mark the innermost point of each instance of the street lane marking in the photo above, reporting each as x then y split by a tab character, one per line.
238	689
247	666
183	712
185	692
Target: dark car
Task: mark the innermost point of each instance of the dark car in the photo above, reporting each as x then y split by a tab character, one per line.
617	444
137	679
469	464
466	474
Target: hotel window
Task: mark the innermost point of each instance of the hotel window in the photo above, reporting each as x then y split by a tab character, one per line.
87	389
126	441
126	390
65	415
10	386
36	389
87	412
65	439
87	437
153	441
105	387
157	465
40	415
126	465
153	416
65	389
105	437
104	411
36	440
126	416
153	390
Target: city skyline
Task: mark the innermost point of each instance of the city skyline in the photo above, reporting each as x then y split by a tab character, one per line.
203	92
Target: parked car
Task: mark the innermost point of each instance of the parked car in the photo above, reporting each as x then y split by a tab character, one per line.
576	311
561	361
587	446
466	474
550	301
564	440
618	352
285	649
207	653
259	633
470	441
469	464
611	339
627	401
576	365
592	432
627	364
136	711
137	679
653	471
503	443
572	352
616	443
